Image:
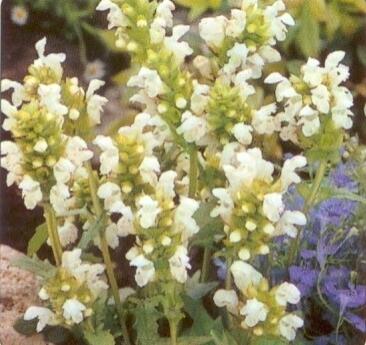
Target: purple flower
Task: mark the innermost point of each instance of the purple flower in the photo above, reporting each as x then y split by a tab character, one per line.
341	177
356	321
304	278
221	268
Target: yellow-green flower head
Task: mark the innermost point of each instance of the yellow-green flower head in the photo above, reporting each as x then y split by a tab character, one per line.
45	70
128	159
251	207
70	293
253	30
316	105
262	310
163	228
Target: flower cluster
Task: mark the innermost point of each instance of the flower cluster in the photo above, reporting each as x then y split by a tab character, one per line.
260	309
70	292
252	207
198	147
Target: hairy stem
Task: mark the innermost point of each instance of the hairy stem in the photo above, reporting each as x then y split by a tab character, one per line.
206	264
106	255
309	202
51	222
193	173
173	332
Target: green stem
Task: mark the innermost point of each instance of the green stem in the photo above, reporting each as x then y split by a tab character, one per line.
193	172
309	202
51	222
106	255
206	264
228	285
173	332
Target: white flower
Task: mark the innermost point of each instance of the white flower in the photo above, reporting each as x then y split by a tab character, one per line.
212	30
288	326
149	168
145	271
245	275
320	97
262	120
236	24
179	49
278	24
149	80
243	133
166	184
63	170
310	126
18	94
94	70
40	146
237	57
254	312
183	217
193	128
273	206
11	161
77	151
148	210
288	174
45	317
50	96
73	311
19	15
52	61
116	18
199	97
225	206
109	158
312	73
95	102
111	194
59	198
10	112
341	118
179	263
289	219
240	82
287	293
228	299
68	233
125	223
31	192
163	19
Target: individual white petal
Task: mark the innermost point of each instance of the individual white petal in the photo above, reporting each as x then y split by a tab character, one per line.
73	311
254	312
288	325
245	275
287	293
228	299
273	206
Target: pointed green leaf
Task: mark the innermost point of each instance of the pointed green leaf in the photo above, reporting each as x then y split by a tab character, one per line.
92	232
38	267
99	337
37	240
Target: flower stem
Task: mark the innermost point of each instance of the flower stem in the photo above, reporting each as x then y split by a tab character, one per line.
205	264
173	332
309	202
51	222
228	284
106	255
193	172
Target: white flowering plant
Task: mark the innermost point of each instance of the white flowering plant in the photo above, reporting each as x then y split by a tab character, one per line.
196	179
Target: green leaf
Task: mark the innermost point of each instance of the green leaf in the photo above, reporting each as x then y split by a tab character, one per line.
195	289
99	337
268	340
223	338
91	233
361	53
308	37
209	226
37	240
56	335
203	323
146	322
26	328
38	267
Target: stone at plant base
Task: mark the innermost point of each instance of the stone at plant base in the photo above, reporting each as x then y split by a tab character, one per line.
18	291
